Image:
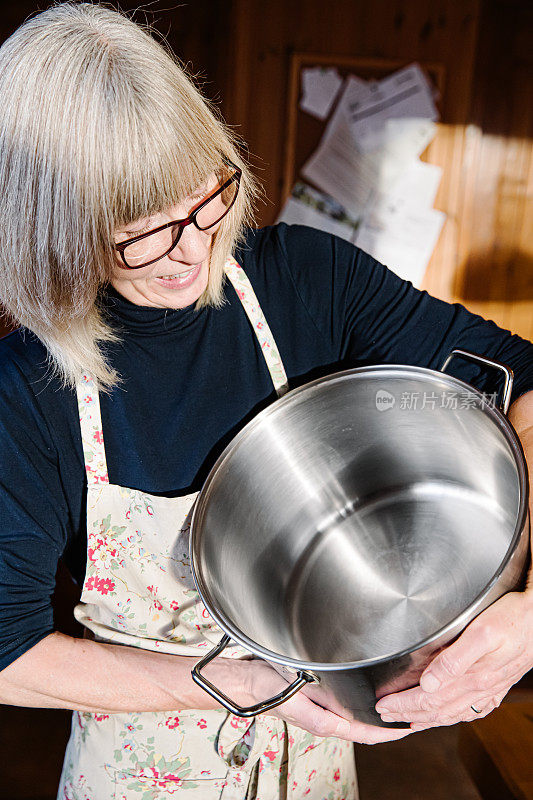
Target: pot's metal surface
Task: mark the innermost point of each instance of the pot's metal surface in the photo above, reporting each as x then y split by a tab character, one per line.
356	526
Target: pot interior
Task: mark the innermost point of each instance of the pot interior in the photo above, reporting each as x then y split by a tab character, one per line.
338	527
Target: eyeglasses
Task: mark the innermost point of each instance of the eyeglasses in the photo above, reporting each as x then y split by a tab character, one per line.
145	249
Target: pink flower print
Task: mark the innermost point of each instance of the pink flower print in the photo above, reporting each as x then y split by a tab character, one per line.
337	775
240	294
291	740
98	437
202	723
89	584
172	722
174	605
130	727
87	399
150	510
100	717
260	326
238	722
101	551
270	754
157	605
153	779
92	551
205	772
311	775
105	585
151	589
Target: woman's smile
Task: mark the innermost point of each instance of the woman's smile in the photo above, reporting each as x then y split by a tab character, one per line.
181	280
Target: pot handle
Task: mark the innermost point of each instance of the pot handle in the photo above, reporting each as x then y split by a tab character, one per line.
488	362
302	679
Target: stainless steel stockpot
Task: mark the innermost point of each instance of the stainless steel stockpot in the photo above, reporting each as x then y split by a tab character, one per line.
356	526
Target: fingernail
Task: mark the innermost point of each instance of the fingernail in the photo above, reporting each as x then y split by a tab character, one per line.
387	717
429	683
343	728
382	709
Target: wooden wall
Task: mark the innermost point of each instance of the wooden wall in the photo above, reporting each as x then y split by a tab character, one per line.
484	144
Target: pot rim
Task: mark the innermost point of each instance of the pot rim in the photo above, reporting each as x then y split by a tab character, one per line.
460	621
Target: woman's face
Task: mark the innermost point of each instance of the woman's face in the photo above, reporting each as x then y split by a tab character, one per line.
178	279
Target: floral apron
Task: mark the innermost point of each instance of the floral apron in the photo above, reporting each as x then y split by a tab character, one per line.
139	591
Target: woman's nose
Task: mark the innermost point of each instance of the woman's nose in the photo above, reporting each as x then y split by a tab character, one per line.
193	246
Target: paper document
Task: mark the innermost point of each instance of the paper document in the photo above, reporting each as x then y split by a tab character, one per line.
415	187
372	188
403	240
297	213
406	94
402	139
351	175
306	206
337	166
319	89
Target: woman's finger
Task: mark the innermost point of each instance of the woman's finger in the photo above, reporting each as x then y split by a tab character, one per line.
462	710
302	712
461	713
504	630
476	641
478	685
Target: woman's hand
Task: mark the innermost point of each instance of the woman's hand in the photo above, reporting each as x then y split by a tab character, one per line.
264	682
475	672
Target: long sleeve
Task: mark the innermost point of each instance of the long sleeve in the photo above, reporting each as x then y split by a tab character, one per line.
370	315
33	518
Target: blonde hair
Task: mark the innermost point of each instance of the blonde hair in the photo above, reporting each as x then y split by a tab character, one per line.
99	126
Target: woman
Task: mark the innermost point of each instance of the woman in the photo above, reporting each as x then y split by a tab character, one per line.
154	325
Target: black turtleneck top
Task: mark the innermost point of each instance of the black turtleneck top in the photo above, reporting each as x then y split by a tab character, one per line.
191	380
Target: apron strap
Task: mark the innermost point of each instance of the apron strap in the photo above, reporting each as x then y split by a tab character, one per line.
92	436
260	327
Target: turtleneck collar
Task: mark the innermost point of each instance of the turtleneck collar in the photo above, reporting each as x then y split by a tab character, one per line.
144	320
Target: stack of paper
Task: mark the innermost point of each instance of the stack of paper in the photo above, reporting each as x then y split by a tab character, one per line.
368	162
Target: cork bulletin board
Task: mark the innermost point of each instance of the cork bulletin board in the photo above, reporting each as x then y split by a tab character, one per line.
305	131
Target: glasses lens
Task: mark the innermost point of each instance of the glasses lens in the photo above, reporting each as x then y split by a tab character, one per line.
213	211
149	249
152	248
